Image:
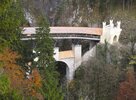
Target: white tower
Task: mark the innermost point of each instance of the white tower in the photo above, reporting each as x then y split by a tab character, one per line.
111	32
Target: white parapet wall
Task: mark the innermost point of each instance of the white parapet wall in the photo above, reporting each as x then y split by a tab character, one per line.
111	32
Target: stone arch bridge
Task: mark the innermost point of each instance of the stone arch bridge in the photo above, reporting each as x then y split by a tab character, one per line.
73	58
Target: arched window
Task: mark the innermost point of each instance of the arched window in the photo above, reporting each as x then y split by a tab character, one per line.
115	39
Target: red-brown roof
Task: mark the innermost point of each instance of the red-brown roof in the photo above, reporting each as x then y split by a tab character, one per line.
83	30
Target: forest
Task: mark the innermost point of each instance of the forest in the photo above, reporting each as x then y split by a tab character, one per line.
109	75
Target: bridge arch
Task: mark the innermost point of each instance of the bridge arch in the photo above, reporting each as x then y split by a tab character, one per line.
63	70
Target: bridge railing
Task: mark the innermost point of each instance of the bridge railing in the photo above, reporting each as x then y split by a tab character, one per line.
66	35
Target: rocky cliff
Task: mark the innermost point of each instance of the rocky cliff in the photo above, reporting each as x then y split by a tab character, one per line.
77	12
61	12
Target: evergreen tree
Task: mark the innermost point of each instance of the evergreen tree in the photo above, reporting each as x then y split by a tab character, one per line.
11	18
44	46
4	5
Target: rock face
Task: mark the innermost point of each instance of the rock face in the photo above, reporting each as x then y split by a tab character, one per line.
78	12
36	8
60	12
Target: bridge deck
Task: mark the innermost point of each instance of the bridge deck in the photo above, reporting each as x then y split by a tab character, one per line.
83	30
66	33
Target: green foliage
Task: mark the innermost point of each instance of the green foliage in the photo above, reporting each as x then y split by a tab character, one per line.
44	45
51	89
99	78
6	92
10	21
16	95
4	5
133	60
4	84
